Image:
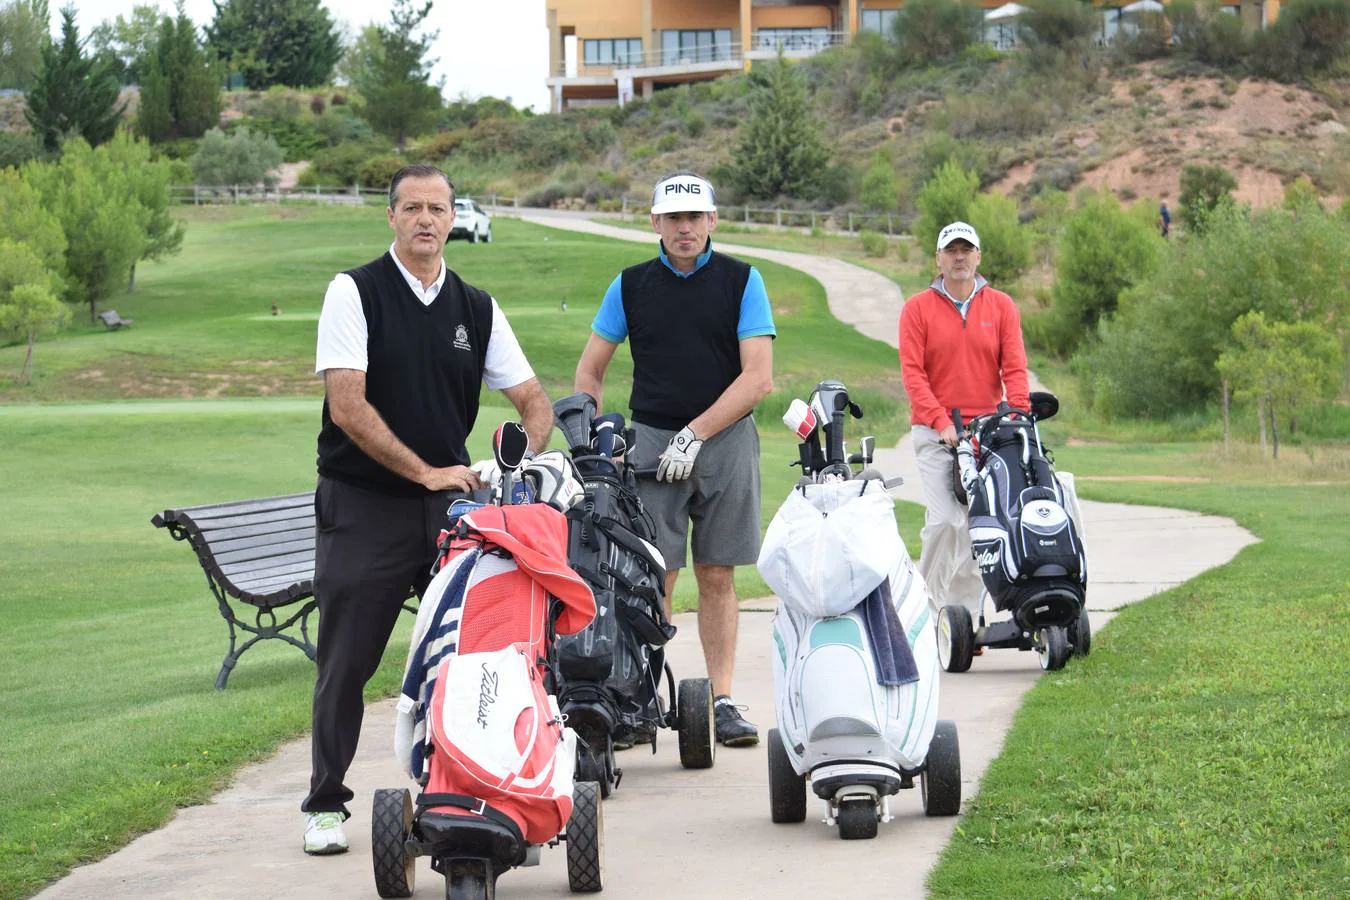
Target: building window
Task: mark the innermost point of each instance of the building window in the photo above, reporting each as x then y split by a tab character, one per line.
792	39
679	46
878	20
613	51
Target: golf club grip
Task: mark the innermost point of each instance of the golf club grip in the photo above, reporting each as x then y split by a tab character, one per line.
645	473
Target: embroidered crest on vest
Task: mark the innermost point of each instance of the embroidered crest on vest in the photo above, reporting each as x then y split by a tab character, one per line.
462	338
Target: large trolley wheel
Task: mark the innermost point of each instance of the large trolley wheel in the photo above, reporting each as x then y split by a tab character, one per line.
940	781
1052	648
585	839
696	725
787	789
955	638
1080	633
390	826
858	819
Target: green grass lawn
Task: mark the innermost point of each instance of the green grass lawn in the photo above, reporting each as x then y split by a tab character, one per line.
1200	750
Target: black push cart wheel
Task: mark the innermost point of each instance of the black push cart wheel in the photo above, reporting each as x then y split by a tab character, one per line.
1052	648
694	710
585	839
468	879
955	638
940	781
787	789
858	819
593	765
390	825
1080	633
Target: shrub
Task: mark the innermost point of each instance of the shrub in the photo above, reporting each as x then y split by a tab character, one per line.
1005	246
1060	24
297	138
880	189
1208	35
378	172
694	123
1202	190
939	147
341	165
243	158
337	100
667	142
641	152
317	104
1309	37
17	148
873	244
1103	251
1157	355
438	146
929	31
944	199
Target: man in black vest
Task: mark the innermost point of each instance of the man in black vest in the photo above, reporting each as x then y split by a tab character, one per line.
701	333
404	347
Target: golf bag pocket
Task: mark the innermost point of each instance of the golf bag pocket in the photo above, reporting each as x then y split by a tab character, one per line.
588	655
497	736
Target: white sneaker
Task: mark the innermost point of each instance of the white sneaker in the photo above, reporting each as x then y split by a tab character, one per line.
324	834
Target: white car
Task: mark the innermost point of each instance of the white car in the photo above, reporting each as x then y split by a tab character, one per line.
471	222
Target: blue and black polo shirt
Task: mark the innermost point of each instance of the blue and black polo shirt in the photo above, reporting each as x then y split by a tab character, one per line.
684	330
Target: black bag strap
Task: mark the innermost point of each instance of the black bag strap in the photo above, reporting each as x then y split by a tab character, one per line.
473	805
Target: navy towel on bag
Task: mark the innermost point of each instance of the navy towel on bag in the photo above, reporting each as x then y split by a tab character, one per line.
890	648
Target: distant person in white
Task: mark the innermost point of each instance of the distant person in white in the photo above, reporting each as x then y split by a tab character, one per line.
404	347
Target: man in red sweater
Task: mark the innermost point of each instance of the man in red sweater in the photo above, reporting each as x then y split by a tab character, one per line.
960	347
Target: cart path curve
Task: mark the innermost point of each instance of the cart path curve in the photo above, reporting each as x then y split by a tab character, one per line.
671	833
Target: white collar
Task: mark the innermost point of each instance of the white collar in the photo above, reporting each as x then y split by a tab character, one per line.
432	290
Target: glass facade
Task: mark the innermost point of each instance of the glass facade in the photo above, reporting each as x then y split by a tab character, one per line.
792	39
695	46
878	20
613	51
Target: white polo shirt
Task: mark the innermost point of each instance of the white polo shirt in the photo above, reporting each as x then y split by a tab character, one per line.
343	331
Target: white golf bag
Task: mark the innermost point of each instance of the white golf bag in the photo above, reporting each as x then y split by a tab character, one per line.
829	547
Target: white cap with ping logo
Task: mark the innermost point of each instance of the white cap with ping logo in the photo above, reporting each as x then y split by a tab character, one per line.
683	193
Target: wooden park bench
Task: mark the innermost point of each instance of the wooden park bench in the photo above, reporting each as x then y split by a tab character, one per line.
258	553
112	320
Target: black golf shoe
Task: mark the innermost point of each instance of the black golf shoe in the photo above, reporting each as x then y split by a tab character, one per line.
732	729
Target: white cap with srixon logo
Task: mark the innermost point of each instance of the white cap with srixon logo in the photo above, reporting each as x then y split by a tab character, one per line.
958	231
683	193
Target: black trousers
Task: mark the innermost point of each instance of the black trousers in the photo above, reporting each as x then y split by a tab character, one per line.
371	551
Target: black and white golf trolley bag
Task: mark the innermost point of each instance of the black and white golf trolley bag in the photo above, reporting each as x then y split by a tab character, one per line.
1026	544
610	674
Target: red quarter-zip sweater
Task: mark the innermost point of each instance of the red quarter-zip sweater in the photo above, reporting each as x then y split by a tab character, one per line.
948	362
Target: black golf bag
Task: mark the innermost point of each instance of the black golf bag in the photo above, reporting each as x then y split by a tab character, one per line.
610	673
1025	544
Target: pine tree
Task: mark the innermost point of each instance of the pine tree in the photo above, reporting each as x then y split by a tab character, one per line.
24	32
400	101
290	42
74	96
180	93
782	151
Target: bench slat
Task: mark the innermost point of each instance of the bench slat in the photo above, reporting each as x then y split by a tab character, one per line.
264	550
223	547
217	523
302	565
264	530
274	590
245	507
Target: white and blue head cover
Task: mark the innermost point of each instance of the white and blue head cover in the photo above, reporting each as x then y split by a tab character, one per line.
683	192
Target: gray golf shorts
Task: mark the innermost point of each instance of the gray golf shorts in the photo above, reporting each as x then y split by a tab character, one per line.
721	498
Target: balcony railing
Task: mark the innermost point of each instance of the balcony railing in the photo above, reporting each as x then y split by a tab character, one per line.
763	45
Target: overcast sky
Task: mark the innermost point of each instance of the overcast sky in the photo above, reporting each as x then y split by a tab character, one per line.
493	48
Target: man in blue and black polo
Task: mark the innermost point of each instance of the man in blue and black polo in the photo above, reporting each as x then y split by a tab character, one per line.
701	333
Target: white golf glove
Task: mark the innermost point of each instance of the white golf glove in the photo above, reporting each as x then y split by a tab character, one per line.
487	472
677	460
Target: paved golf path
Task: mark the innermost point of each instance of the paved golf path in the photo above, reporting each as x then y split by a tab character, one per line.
670	833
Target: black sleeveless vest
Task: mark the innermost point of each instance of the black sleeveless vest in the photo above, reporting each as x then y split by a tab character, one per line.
424	372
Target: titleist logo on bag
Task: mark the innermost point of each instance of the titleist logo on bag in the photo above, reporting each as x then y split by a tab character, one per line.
487	695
